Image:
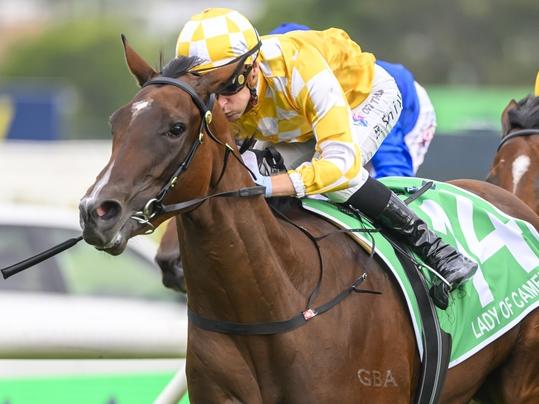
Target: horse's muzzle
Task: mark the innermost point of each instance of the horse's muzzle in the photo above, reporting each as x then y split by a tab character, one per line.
100	222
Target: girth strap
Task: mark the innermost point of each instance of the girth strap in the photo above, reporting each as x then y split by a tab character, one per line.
275	327
436	343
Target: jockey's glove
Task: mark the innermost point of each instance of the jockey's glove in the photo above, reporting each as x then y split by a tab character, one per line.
250	160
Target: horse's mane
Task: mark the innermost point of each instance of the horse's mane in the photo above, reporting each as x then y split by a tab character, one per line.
526	115
180	66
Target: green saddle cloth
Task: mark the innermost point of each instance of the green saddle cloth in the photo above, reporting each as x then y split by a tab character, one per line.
504	289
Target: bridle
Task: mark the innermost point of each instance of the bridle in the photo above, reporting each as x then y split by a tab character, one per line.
155	207
517	133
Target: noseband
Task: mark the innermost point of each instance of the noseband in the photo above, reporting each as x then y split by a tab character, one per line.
517	133
155	206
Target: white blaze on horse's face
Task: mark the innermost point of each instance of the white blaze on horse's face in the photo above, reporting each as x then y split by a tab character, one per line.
140	106
98	186
520	166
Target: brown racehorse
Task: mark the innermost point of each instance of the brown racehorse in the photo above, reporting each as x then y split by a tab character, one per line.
516	164
243	264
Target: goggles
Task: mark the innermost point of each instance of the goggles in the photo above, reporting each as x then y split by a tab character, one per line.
236	84
238	80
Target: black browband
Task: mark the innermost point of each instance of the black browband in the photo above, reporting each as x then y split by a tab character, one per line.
202	107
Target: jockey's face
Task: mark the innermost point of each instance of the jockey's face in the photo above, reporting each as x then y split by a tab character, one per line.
234	105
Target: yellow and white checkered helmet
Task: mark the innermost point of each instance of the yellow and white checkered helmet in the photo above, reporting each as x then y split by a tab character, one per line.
217	36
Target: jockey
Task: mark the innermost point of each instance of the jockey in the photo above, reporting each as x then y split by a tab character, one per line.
403	150
317	90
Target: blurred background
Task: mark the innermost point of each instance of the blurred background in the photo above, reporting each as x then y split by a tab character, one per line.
62	73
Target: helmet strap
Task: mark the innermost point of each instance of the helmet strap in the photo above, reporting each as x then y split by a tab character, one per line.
253	100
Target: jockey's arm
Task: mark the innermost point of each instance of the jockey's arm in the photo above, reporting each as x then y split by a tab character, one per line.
282	185
319	97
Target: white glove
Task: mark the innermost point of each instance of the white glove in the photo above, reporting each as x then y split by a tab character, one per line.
250	160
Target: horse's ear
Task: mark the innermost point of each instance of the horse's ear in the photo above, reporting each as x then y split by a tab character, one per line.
137	66
506	126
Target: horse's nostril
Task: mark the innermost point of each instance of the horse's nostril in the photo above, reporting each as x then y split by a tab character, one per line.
107	210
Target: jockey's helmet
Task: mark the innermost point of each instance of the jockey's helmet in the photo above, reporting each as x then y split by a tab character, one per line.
218	36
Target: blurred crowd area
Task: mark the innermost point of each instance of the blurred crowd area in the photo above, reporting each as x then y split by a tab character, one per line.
62	65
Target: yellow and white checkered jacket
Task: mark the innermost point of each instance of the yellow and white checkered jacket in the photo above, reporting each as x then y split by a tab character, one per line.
308	83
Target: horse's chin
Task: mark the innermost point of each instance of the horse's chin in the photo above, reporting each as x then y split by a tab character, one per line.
116	246
117	242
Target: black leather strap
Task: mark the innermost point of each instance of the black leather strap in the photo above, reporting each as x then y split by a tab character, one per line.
436	343
275	327
416	193
242	192
517	133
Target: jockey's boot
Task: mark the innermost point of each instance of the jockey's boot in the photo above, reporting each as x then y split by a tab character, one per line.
388	211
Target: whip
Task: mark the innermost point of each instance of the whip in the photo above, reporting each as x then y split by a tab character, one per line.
36	259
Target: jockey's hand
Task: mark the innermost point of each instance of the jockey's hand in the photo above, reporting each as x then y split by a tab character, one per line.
250	160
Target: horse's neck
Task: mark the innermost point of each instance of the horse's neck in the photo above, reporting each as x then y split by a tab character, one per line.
236	254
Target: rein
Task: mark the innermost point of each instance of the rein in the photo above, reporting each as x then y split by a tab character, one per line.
518	133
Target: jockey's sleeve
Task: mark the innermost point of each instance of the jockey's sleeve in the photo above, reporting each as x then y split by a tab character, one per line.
318	95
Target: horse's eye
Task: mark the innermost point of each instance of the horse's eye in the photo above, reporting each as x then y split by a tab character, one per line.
176	129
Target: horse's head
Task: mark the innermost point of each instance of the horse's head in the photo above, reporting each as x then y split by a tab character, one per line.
516	163
160	150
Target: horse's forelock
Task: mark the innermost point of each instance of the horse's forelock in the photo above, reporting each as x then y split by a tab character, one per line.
179	66
526	115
